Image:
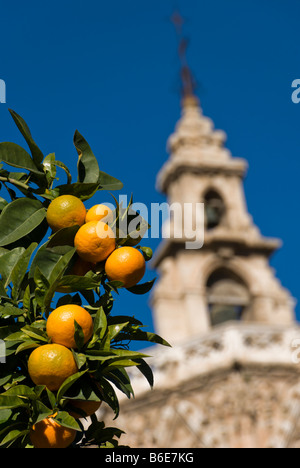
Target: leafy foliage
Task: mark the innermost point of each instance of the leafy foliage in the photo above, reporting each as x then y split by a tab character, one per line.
33	269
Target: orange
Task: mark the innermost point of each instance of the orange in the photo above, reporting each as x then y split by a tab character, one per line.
95	241
49	434
126	265
88	407
61	327
51	365
66	211
99	213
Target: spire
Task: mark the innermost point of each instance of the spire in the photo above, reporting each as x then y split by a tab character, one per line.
188	82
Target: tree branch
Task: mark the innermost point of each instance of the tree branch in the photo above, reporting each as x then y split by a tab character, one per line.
15	182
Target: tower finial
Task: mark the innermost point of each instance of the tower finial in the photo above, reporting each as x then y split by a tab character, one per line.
187	79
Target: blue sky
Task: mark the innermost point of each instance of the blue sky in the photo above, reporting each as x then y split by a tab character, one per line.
110	70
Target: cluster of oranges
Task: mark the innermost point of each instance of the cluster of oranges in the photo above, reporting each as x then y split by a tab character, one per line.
51	364
95	241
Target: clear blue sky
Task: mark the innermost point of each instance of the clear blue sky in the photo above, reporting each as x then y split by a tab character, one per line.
110	69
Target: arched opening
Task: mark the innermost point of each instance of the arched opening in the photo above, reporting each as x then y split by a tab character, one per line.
227	296
214	209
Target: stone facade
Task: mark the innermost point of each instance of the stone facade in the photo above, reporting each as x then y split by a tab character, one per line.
237	387
230	380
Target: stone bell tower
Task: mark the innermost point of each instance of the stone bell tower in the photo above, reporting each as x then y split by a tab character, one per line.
231	379
229	278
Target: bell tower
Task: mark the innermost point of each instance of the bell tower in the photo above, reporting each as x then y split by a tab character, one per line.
230	379
230	277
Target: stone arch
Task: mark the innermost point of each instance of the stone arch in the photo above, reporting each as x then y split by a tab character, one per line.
227	295
214	262
215	208
226	279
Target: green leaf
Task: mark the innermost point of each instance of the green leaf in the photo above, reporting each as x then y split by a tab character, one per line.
100	325
19	218
113	355
65	420
84	191
108	182
22	391
140	335
114	285
14	155
146	370
52	398
50	168
80	359
61	266
22	126
16	336
65	168
3	291
78	335
3	203
47	258
10	311
64	236
35	333
120	378
136	228
117	319
147	253
128	354
110	397
68	383
103	436
142	288
119	364
30	344
5	415
13	435
85	389
114	330
78	283
40	280
20	269
88	167
7	263
41	412
27	299
11	402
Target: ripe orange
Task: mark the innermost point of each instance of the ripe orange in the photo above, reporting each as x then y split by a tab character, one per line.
126	265
95	241
66	211
61	327
99	213
88	407
49	434
51	365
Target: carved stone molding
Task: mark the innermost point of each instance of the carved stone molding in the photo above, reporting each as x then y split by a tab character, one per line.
237	388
